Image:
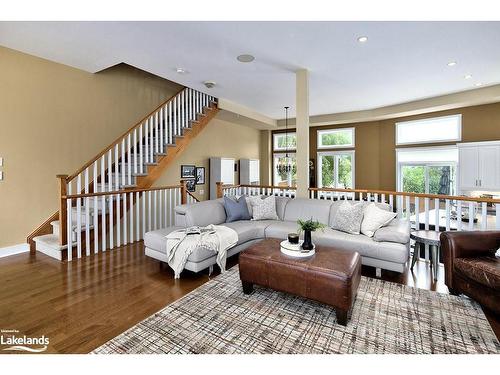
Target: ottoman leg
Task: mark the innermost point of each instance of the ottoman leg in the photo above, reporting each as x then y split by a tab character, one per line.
341	316
247	287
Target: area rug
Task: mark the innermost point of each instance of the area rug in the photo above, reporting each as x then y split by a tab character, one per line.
386	318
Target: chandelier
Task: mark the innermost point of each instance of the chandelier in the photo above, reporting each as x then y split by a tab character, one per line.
284	165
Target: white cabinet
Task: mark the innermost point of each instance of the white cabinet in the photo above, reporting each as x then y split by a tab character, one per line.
249	172
479	166
221	170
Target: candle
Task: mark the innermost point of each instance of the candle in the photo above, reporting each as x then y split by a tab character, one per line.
293	238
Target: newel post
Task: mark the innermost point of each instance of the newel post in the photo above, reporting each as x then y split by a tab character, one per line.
63	217
183	192
219	189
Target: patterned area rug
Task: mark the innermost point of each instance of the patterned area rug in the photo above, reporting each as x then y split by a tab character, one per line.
386	318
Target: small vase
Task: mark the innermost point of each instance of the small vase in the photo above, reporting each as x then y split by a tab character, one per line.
307	244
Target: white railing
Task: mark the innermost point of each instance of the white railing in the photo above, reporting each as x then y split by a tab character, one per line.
106	220
427	211
231	190
117	167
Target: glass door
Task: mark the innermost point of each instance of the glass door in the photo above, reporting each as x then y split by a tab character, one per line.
336	169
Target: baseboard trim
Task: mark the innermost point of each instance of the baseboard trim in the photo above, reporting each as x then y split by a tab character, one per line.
14	249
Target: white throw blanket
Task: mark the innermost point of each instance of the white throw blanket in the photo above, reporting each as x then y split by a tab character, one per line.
181	243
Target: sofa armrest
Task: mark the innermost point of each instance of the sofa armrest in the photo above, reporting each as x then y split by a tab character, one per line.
466	245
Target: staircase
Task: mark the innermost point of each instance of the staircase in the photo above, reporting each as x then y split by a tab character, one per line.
94	213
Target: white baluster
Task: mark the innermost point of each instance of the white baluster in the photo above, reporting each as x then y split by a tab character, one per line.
143	201
484	219
118	220
426	210
124	167
96	211
408	207
436	214
459	215
137	218
157	139
391	202
471	215
103	206
87	213
125	227
165	209
170	208
131	209
69	228
141	150
160	125
135	151
155	214
129	159
110	203
417	213
399	204
448	213
79	217
151	141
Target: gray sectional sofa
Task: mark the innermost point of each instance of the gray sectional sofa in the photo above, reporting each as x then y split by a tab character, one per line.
390	255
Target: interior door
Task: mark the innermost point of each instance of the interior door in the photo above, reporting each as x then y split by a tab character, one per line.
488	167
227	171
468	164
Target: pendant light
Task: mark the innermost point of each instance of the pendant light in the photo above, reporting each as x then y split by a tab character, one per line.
284	165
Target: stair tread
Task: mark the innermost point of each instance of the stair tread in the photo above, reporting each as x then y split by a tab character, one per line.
50	240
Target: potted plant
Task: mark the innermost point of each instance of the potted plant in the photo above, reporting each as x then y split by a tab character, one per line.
308	226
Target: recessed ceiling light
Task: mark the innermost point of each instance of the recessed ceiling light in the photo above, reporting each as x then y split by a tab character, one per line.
180	70
363	39
478	84
452	63
245	58
467	76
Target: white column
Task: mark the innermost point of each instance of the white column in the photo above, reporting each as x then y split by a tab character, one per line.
302	131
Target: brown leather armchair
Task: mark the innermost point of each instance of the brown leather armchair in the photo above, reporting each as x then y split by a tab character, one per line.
471	266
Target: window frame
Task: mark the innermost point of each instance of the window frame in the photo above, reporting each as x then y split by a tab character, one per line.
290	149
351	153
458	139
425	164
320	146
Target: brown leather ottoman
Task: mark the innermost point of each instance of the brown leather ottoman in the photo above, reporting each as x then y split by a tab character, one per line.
330	276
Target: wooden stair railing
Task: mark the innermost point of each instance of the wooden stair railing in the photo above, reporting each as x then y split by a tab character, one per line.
137	158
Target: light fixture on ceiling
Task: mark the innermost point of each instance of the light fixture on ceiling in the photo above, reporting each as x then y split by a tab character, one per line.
180	70
209	84
363	39
467	76
245	58
478	84
284	165
452	63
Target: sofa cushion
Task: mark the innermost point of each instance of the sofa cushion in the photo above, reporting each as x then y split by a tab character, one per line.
398	230
263	208
248	230
304	208
375	218
365	246
236	209
281	203
204	213
336	204
484	270
280	229
348	217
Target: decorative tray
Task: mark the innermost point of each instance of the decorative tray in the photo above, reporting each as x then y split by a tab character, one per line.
295	250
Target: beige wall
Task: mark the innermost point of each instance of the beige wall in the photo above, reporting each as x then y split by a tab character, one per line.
54	118
218	139
376	144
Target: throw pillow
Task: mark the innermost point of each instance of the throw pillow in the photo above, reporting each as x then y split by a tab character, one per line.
264	208
396	231
375	218
236	209
348	217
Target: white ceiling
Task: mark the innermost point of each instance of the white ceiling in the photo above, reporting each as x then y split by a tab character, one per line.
401	62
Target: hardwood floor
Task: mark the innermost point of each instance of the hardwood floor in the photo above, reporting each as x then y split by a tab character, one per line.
82	304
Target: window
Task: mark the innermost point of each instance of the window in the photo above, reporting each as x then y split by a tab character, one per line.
336	138
284	179
427	170
280	141
431	130
336	169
